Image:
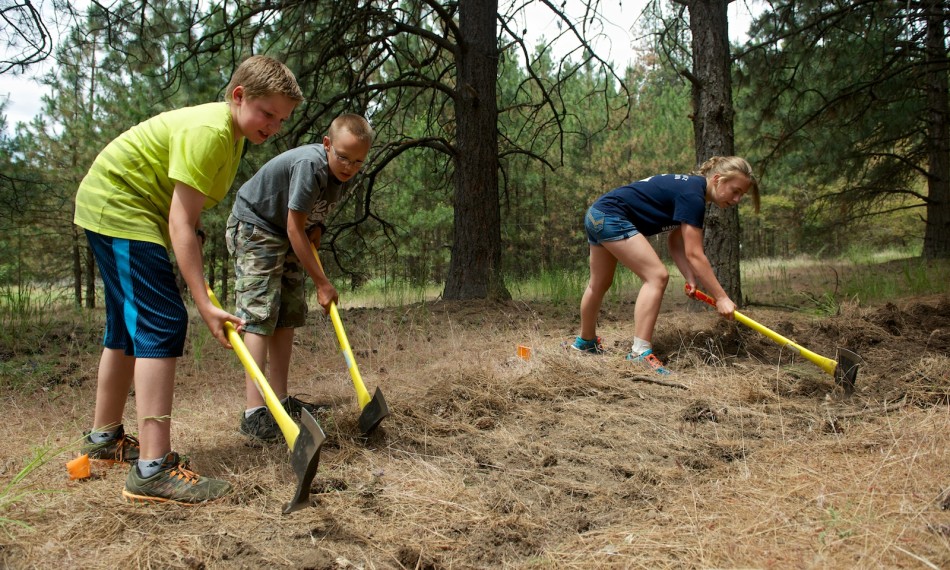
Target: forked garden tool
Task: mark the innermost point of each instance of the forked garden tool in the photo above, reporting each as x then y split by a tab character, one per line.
304	441
844	370
372	410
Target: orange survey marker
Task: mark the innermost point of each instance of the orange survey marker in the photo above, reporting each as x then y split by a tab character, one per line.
79	468
524	352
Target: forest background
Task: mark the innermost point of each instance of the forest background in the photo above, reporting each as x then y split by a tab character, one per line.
841	107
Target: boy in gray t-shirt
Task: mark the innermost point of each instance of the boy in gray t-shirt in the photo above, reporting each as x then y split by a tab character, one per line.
277	214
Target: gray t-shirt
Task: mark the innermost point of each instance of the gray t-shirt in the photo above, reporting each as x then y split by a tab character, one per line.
298	179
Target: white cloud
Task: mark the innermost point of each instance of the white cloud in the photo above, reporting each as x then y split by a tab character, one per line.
24	95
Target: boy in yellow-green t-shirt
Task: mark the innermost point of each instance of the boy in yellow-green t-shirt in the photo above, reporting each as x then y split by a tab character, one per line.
143	194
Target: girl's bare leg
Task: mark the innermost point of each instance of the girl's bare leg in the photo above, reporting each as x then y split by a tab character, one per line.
602	267
637	255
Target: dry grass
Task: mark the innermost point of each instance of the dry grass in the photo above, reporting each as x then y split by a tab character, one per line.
562	461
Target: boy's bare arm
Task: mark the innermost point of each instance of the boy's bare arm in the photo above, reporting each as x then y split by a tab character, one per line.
183	219
300	242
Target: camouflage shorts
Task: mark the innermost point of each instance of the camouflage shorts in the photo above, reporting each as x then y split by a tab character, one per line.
269	279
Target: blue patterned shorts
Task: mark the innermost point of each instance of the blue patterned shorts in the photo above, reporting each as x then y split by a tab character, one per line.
145	316
600	227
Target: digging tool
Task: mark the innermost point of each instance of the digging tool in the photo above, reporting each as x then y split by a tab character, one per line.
304	441
372	410
844	370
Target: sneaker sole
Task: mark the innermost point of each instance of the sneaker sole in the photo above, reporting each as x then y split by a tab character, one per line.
147	499
590	352
567	345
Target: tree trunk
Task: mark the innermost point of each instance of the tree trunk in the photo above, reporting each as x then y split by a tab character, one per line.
77	268
713	129
937	232
90	259
475	267
90	279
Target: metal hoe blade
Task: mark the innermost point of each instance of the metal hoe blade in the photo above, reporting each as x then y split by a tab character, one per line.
305	458
846	372
373	413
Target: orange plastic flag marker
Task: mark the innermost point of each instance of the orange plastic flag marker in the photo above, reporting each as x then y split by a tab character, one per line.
524	352
79	468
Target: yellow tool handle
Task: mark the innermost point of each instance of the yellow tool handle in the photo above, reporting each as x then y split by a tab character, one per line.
362	395
826	364
284	421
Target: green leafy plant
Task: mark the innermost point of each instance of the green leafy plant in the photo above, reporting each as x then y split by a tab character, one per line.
825	304
835	527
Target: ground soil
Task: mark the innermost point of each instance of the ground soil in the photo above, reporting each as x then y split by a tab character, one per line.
748	456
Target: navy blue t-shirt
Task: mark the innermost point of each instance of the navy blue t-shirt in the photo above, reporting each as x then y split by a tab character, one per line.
659	203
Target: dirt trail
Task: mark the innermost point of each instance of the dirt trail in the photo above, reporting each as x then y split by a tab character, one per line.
560	461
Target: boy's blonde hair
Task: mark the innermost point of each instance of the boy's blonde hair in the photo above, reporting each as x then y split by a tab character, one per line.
262	76
358	126
728	167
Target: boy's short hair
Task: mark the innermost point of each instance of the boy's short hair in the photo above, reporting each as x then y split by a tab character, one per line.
358	126
261	76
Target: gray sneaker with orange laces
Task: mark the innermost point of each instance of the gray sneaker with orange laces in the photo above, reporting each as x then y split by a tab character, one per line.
173	483
122	448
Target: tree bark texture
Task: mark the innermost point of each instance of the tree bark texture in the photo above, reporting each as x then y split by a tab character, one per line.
77	268
475	267
937	234
713	116
90	278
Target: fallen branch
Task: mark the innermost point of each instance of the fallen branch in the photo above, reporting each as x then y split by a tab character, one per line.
649	380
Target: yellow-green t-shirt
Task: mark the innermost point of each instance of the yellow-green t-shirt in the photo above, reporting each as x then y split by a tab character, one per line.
127	192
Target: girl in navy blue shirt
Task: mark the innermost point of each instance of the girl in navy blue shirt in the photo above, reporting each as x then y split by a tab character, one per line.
618	223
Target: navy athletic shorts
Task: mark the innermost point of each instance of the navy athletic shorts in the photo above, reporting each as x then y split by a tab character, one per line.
145	315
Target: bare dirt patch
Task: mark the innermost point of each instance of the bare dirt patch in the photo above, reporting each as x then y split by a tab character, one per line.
752	458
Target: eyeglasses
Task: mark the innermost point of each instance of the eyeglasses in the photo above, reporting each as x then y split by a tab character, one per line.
346	161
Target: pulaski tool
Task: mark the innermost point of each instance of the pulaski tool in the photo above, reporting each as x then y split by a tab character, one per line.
304	441
372	410
844	370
